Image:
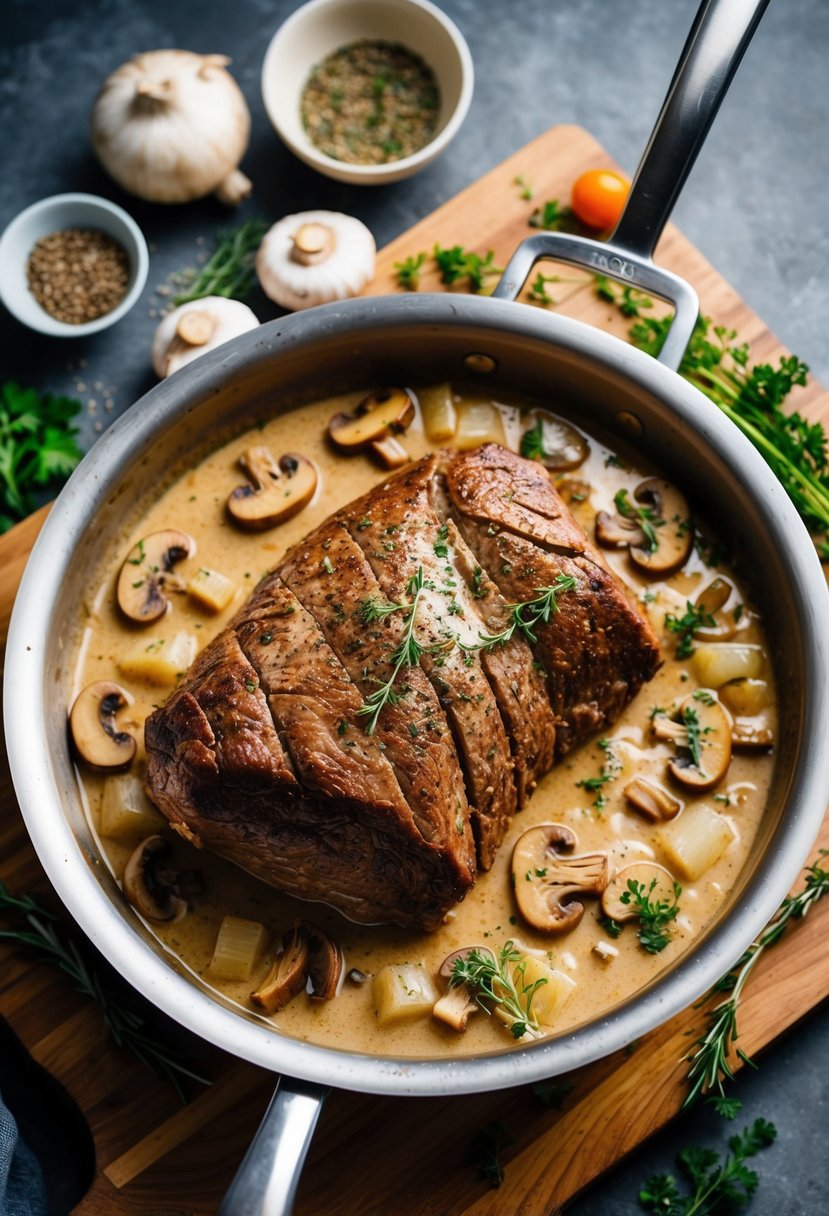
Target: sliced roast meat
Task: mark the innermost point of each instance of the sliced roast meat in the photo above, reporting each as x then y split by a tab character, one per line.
266	753
597	650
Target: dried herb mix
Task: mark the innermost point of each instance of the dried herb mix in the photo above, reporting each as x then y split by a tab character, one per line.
78	274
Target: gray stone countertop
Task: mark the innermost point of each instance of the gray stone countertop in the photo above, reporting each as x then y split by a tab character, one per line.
755	205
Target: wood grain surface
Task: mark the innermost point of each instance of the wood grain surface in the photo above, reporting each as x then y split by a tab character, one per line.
373	1156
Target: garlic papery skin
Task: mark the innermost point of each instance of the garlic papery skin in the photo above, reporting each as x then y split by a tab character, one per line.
194	328
171	126
314	257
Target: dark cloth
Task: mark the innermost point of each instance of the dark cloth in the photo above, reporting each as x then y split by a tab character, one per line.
22	1188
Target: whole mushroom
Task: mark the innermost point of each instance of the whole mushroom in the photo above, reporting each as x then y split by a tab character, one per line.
195	328
314	257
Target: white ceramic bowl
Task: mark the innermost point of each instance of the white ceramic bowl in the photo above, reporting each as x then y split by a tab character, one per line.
318	28
53	215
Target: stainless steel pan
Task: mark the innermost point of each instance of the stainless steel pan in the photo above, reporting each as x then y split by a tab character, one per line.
602	383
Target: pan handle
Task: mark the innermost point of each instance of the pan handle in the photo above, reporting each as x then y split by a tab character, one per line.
721	32
266	1181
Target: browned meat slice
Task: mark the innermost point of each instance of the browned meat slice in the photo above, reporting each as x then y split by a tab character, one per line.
324	817
331	578
597	649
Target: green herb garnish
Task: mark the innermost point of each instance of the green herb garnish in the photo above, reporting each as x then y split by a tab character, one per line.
457	264
552	217
123	1012
709	1067
718	1187
644	516
655	916
229	272
498	984
526	616
532	442
37	447
408	271
693	618
407	654
485	1149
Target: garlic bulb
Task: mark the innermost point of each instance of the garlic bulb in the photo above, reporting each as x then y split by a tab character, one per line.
171	126
195	328
314	257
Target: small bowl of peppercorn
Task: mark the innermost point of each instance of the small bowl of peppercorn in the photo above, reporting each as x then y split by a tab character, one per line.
367	91
71	265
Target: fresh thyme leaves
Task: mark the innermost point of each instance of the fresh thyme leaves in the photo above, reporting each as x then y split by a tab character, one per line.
407	654
122	1013
457	264
709	1066
753	397
611	768
485	1150
408	271
498	984
692	618
37	447
644	516
655	916
552	217
229	272
374	609
690	720
528	615
719	1187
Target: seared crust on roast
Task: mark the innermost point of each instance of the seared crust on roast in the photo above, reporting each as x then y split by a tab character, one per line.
597	649
262	753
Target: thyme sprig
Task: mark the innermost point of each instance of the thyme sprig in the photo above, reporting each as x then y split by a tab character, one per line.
526	616
407	653
123	1016
229	272
655	916
498	984
709	1066
693	618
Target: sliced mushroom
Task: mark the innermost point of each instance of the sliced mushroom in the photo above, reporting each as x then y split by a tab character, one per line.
458	1003
388	411
550	880
644	873
574	491
97	739
657	528
655	803
717	624
325	964
151	889
277	491
146	575
554	442
288	975
702	735
391	452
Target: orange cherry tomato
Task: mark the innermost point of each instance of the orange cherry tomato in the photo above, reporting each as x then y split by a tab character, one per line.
599	197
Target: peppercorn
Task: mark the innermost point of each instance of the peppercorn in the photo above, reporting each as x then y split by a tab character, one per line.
78	274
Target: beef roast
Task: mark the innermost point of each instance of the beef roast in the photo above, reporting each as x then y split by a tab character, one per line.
263	755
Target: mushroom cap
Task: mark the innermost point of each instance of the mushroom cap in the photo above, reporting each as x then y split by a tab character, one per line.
170	349
288	975
379	416
713	733
653	800
548	877
325	964
146	574
145	888
344	272
674	531
643	872
276	491
96	738
562	445
717	600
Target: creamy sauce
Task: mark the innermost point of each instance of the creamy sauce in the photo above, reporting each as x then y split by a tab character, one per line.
488	915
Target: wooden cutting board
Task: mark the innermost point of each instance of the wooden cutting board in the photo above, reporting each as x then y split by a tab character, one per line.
395	1157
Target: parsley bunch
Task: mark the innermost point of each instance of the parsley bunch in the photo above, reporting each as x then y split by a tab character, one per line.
37	447
719	1187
